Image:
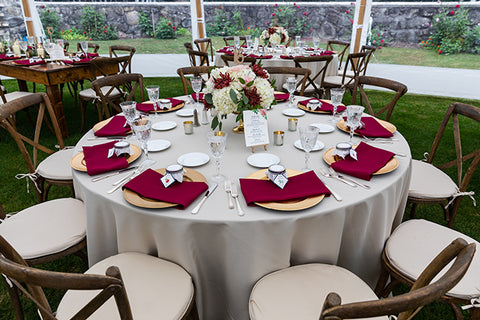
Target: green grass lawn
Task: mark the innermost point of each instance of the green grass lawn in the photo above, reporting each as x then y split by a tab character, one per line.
414	57
417	117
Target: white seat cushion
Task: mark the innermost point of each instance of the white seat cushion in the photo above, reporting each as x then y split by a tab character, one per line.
15	95
430	182
414	244
57	165
299	292
90	93
156	289
46	228
334	80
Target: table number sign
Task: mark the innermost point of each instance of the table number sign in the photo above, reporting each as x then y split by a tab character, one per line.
256	128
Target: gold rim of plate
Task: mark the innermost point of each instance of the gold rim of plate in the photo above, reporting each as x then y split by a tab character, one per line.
293	205
305	108
178	106
391	165
139	201
78	161
387	125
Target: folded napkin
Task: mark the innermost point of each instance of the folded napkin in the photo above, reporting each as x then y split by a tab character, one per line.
281	96
147	107
3	56
114	127
372	128
92	55
324	106
148	185
283	56
225	49
26	62
97	162
298	187
80	61
200	95
369	160
260	57
323	53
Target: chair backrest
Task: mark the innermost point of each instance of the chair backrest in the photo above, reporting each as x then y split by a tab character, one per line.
118	51
340	47
202	58
102	66
243	40
126	83
297	72
228	60
370	50
455	110
315	81
24	143
355	63
205	45
31	282
66	44
188	45
399	88
91	45
421	293
195	71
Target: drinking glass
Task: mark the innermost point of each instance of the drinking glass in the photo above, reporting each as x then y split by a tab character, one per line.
301	44
297	40
249	46
31	40
308	139
354	118
142	129
291	86
84	46
23	45
153	92
216	143
336	95
49	48
236	42
7	39
197	83
129	109
59	42
316	43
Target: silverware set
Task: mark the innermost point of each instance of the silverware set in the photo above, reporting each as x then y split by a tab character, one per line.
232	194
120	183
349	181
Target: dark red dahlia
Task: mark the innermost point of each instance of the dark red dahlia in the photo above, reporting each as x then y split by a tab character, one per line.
259	72
271	30
254	98
223	81
283	38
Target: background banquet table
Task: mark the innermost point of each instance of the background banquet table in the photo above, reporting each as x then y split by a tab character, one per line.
225	253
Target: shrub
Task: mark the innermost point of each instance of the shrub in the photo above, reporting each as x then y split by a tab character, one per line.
146	25
182	32
379	38
73	34
50	18
222	24
292	18
165	29
95	25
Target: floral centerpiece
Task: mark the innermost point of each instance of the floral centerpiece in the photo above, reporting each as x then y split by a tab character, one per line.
238	88
274	35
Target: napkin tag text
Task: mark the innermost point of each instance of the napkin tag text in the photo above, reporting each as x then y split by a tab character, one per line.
167	180
280	180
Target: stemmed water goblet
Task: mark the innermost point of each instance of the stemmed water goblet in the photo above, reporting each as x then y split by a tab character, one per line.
216	143
316	43
236	42
129	109
291	86
354	118
84	47
153	93
197	83
23	45
142	129
7	39
336	95
308	140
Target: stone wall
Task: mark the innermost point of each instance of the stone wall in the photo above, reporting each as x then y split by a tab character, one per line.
407	23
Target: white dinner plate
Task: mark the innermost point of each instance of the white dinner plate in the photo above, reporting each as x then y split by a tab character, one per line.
293	112
185	113
164	125
193	159
323	128
318	146
263	160
158	145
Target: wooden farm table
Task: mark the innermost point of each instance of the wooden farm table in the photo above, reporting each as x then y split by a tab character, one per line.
52	75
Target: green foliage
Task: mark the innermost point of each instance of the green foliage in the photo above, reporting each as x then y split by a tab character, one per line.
50	18
293	18
182	32
222	24
379	37
165	29
146	25
95	25
73	34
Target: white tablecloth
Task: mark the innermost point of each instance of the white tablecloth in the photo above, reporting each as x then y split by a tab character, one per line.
225	253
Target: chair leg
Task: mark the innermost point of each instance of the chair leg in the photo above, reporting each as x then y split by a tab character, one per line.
45	192
456	311
413	210
475	314
382	281
15	299
83	108
41	189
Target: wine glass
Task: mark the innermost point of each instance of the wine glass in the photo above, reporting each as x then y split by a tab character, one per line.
297	40
84	46
316	43
291	86
308	140
129	109
23	45
354	118
336	95
236	42
153	92
216	143
197	83
142	129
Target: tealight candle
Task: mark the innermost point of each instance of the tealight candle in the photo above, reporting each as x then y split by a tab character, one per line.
313	104
122	148
165	104
292	124
278	138
188	127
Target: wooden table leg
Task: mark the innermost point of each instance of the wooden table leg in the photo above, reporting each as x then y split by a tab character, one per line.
22	85
54	94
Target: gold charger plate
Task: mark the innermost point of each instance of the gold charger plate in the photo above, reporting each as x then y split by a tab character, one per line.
292	205
101	124
305	108
387	125
78	161
139	201
178	106
388	167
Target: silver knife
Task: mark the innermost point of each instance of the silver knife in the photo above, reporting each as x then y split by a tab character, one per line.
111	174
209	192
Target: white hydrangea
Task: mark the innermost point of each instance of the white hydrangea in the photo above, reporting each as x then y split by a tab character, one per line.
275	39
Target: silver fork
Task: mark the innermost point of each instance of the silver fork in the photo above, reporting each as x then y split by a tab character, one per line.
228	190
235	196
335	173
379	139
326	174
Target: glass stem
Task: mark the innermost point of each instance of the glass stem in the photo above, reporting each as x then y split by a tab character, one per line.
307	159
145	149
217	162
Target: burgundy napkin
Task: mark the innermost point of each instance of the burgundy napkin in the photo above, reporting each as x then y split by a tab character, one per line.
3	56
281	96
84	60
324	106
201	96
286	57
225	49
26	62
298	187
369	160
260	57
372	128
147	107
148	185
92	55
97	161
324	53
114	128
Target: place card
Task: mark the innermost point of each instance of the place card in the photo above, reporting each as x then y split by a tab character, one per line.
256	127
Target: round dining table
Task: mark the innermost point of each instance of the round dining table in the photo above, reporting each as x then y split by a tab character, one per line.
226	253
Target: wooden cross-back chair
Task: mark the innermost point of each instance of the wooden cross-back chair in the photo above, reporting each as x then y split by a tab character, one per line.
205	45
91	45
355	61
229	59
126	286
315	82
127	83
430	184
243	40
118	51
301	74
362	68
399	88
339	46
202	57
54	169
297	292
202	71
